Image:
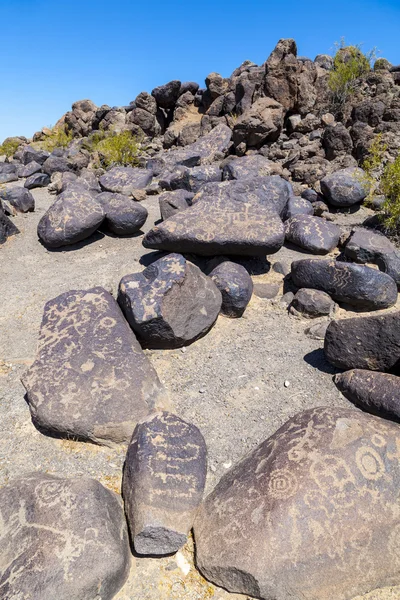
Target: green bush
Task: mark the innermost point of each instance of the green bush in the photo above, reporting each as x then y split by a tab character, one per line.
59	137
390	187
349	63
122	148
372	166
9	147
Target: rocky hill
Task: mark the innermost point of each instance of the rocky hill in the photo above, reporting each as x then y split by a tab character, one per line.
181	278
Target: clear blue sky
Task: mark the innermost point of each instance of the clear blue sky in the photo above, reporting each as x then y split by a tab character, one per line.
53	53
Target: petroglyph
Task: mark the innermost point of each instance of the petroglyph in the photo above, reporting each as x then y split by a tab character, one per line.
163	483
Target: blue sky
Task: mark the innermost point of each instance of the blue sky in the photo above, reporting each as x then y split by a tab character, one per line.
53	53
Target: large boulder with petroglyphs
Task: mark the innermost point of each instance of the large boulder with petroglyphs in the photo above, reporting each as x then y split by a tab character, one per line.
170	304
163	483
311	513
73	217
356	285
61	538
313	234
91	379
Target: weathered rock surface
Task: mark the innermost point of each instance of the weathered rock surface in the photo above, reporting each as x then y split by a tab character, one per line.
366	246
272	192
312	233
364	343
61	538
90	378
189	179
298	206
163	482
312	303
261	123
247	167
357	285
8	177
29	169
124	216
344	187
73	217
170	304
235	285
311	513
173	202
56	164
20	198
220	225
37	180
30	154
7	227
125	180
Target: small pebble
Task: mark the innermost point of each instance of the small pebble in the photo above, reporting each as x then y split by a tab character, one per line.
183	350
202	390
227	465
287	383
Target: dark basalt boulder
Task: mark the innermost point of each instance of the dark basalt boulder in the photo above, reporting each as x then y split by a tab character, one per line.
235	285
37	180
8	177
345	187
73	217
56	164
19	198
310	513
30	169
123	216
298	206
357	285
220	225
192	179
273	192
167	95
170	304
30	154
364	342
247	167
312	233
312	303
173	202
61	538
125	180
7	227
163	483
377	393
87	365
366	246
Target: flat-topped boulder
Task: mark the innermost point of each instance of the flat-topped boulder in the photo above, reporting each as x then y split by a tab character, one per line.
125	180
298	206
72	217
357	285
310	513
29	169
345	187
312	233
61	538
123	215
377	393
37	180
192	179
272	191
371	342
220	226
163	483
170	304
90	378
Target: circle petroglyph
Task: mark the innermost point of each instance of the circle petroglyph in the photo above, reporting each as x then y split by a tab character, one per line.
282	484
370	463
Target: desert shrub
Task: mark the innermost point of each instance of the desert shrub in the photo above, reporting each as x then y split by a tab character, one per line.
349	64
9	147
59	137
372	166
390	187
121	148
